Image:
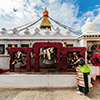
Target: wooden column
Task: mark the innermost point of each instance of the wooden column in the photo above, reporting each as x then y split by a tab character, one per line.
28	62
64	61
36	60
58	60
11	60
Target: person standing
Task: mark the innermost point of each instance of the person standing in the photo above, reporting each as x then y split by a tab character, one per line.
82	78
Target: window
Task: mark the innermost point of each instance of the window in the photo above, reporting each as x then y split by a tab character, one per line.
24	45
2	49
69	45
10	45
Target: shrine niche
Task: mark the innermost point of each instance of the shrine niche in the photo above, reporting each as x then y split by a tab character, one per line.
19	58
68	57
50	56
71	59
48	59
19	61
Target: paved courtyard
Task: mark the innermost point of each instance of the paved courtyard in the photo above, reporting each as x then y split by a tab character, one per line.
50	94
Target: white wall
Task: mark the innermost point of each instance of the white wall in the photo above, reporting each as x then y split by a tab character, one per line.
4	61
83	43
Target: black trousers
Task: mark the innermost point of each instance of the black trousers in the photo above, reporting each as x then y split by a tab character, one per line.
85	89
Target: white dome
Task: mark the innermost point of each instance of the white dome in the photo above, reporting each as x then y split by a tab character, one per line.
89	26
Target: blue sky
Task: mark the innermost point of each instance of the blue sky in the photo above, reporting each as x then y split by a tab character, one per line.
87	5
72	13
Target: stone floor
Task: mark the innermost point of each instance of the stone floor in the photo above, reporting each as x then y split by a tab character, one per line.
50	94
94	93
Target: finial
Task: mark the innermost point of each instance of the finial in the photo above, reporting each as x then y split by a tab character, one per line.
45	8
88	20
45	23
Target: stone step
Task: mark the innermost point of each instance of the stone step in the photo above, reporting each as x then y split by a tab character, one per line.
38	80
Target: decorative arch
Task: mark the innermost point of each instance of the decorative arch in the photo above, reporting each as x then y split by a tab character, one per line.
38	45
11	50
65	50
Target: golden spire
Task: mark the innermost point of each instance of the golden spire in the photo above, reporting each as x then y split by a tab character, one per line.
45	22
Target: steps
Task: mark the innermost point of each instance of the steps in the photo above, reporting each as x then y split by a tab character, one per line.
37	80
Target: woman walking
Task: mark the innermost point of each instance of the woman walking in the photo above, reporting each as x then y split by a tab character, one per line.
82	78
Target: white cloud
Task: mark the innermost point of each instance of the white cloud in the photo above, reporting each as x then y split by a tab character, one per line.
97	6
89	13
27	11
97	19
94	15
30	10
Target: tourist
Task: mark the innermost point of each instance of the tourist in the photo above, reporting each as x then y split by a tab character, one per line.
82	78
